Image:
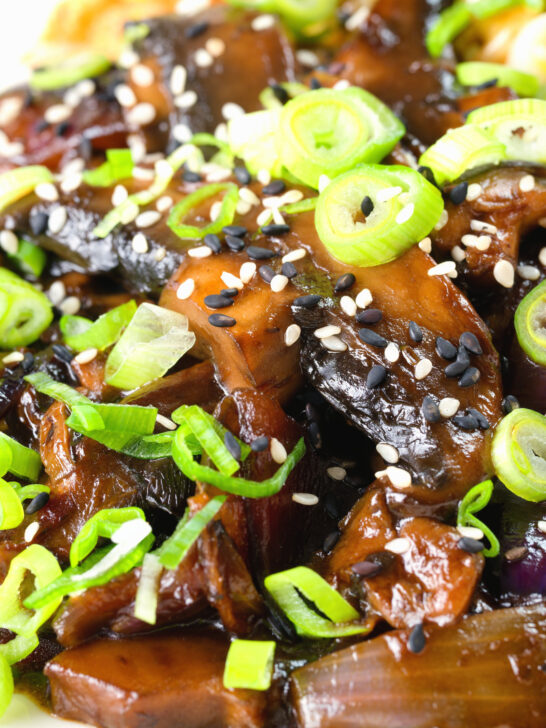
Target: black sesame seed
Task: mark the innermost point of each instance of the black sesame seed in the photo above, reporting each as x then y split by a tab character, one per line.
234	243
487	84
276	229
330	541
189	176
372	338
460	365
193	31
471	343
445	348
62	352
415	332
86	148
344	282
242	175
257	253
266	273
221	320
509	404
466	421
289	270
376	376
311	412
259	444
28	362
470	377
457	194
430	409
37	503
428	174
213	242
314	84
314	435
218	301
237	230
367	206
38	222
417	639
275	187
369	316
280	93
481	419
309	301
62	128
471	545
232	445
231	292
367	568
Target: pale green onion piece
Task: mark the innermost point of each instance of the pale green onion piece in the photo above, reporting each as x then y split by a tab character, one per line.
482	9
210	441
28	492
147	590
254	138
305	17
11	509
120	427
80	333
475	500
25	312
530	324
16	183
25	463
118	166
5	457
103	524
287	588
153	342
134	32
249	665
78	68
519	453
189	425
406	208
294	208
194	201
30	259
209	140
45	384
476	73
6	684
268	99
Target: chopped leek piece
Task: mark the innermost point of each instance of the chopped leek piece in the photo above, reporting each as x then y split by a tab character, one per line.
134	32
475	73
103	524
30	259
187	532
25	312
302	16
287	589
78	68
406	208
5	457
45	384
25	463
203	427
294	208
16	183
209	140
194	201
329	132
153	342
519	453
460	150
11	509
475	500
530	324
6	684
269	100
80	333
118	166
255	139
28	492
249	665
148	586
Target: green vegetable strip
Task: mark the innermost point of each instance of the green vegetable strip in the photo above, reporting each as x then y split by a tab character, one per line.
80	333
475	500
475	73
103	524
529	324
30	259
45	384
147	590
249	665
25	463
25	312
210	442
16	183
11	510
6	684
118	166
194	200
78	68
28	492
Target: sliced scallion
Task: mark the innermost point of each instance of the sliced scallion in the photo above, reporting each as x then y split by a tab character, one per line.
16	183
11	510
530	324
6	684
255	139
302	16
147	590
475	73
45	384
178	214
78	68
104	524
81	333
118	166
475	500
25	462
249	665
269	100
25	312
29	259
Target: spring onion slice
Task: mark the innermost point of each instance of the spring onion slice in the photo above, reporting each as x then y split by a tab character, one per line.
28	492
80	333
446	28
475	73
11	509
78	68
530	324
306	205
329	132
16	183
224	156
194	201
25	312
147	590
198	439
134	32
210	441
268	99
482	9
287	589
5	457
25	463
518	452
302	16
249	664
187	532
255	139
520	125
45	384
461	150
6	684
29	259
103	524
153	342
412	209
475	500
118	166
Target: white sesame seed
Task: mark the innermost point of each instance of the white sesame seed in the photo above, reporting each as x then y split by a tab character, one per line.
426	245
265	217
84	357
70	306
202	58
541	525
178	79
263	176
191	7
278	283
392	352
388	193
336	472
160	253
57	113
30	531
182	133
71	182
442	222
364	298
165	422
148	219
398	545
388	452
405	213
325	331
423	368
307	58
341	84
14	358
128	58
470	532
9	242
242	207
12	149
278	219
469	240
215	172
232	281
483	242
139	243
357	18
292	334
271	202
246	194
215	46
448	406
399	477
56	292
323	182
262	22
215	210
247	271
86	88
143	173
10	108
129	212
125	96
57	219
333	343
141	114
142	75
164	203
503	273
483	227
185	289
528	272
294	255
473	192
348	305
119	195
46	191
231	110
137	147
202	251
442	268
457	253
542	256
278	451
72	98
305	499
527	183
